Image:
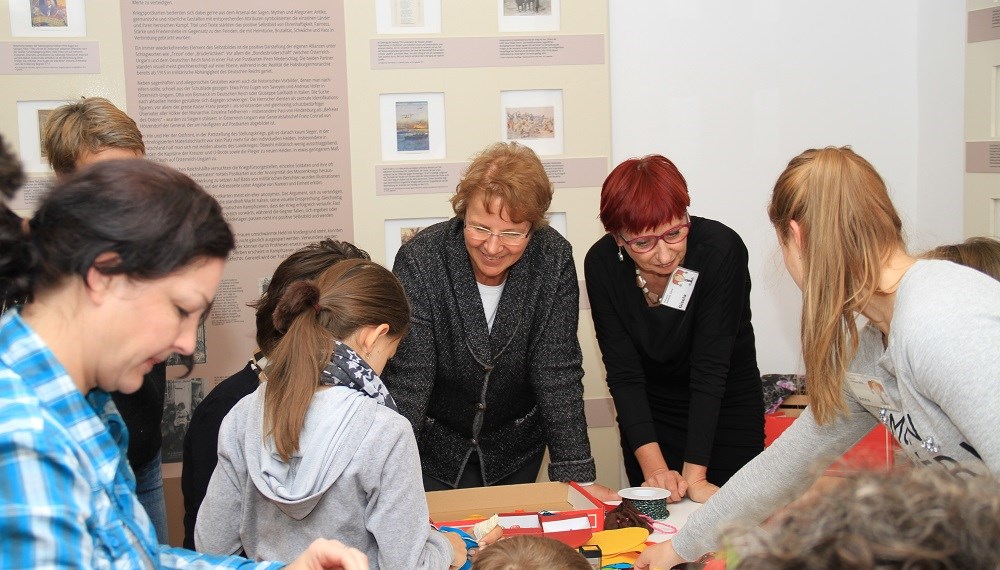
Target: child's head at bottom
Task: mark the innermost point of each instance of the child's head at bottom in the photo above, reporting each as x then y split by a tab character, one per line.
530	553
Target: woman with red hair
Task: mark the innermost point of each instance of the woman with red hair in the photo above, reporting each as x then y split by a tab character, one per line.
670	298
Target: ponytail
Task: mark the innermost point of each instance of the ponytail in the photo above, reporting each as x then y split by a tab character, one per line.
352	294
849	227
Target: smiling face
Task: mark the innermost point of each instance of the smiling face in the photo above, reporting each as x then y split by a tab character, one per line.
664	258
146	321
492	259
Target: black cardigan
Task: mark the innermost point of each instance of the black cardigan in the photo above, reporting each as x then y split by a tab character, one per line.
505	394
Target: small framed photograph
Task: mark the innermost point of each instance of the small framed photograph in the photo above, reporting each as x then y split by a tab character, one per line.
534	119
412	126
398	232
47	18
179	401
31	116
528	15
408	16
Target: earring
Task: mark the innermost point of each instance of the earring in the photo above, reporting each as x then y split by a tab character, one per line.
621	257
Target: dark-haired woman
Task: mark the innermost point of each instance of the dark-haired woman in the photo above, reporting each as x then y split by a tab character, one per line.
319	449
670	299
122	262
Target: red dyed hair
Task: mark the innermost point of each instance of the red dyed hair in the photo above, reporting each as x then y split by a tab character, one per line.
642	193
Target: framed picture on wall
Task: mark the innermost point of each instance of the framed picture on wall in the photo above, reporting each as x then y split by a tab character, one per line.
412	126
398	232
528	15
47	18
534	119
179	401
30	118
558	222
408	16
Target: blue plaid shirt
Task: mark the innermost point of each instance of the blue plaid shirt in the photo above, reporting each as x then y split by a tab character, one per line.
67	497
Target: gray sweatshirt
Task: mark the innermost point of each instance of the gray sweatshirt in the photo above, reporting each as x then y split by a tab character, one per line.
935	387
356	478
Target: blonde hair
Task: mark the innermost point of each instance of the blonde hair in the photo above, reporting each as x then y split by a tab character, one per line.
980	253
528	552
352	294
514	174
89	125
849	228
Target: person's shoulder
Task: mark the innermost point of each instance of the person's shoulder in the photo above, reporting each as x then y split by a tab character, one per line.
551	243
716	234
427	250
391	425
20	408
935	291
948	285
604	250
236	387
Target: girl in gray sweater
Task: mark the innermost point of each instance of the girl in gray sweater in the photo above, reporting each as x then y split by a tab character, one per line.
319	449
924	365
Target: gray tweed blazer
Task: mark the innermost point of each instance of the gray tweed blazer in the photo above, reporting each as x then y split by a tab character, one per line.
504	395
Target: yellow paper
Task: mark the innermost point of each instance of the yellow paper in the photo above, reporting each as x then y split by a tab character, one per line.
620	540
627	557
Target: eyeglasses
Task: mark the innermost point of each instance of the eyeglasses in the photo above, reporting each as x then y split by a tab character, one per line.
676	234
507	238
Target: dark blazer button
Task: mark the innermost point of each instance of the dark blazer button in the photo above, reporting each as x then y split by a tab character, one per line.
480	406
473	443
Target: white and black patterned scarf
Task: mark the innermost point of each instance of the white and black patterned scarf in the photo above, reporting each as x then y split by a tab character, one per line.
346	368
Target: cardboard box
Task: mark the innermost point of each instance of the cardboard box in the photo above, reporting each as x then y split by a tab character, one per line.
875	451
519	506
793	405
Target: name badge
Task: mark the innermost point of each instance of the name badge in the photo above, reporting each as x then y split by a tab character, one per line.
869	392
679	288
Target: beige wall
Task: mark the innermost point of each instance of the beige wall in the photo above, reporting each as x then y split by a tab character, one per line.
472	117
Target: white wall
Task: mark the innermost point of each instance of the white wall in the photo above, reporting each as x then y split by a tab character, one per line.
731	90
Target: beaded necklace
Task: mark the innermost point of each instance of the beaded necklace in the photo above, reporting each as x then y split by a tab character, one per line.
640	282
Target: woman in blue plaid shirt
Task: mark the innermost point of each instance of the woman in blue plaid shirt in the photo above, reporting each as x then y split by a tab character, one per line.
119	265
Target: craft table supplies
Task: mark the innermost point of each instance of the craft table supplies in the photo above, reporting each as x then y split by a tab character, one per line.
650	501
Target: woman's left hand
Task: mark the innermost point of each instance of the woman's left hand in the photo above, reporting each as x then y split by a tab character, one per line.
602	493
699	489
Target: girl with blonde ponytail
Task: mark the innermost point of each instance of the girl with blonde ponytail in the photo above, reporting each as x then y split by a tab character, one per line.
832	213
319	450
886	338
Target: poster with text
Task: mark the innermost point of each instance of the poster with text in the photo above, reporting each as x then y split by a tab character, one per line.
250	100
